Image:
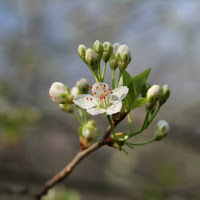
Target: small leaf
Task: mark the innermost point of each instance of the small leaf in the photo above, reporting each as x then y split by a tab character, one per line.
135	85
139	102
80	130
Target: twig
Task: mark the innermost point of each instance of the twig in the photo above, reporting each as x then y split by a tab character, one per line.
105	140
76	160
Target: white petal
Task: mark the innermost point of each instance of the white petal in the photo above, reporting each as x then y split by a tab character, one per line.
120	92
114	108
95	111
85	101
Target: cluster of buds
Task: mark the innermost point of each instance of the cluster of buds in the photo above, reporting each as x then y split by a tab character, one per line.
162	128
155	94
117	55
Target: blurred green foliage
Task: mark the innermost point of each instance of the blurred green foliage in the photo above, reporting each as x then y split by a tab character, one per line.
14	119
61	193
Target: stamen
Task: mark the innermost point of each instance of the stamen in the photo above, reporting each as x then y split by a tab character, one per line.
87	98
111	92
95	93
97	88
104	85
101	97
90	87
109	89
105	95
50	96
90	98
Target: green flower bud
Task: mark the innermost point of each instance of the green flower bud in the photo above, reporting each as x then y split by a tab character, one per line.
107	51
164	94
152	96
66	107
98	48
89	131
124	56
92	59
113	62
162	128
83	86
70	98
82	51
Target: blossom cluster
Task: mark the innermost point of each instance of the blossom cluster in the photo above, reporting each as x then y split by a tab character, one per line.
115	101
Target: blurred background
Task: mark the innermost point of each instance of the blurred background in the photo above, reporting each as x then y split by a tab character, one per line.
38	46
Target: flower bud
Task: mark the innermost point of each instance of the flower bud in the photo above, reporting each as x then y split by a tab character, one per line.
66	107
89	130
113	62
82	51
107	51
162	128
58	92
92	59
75	91
164	94
115	48
83	86
152	96
98	48
124	56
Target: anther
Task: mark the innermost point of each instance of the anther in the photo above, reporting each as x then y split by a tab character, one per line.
111	92
90	98
97	88
50	96
90	87
95	93
87	98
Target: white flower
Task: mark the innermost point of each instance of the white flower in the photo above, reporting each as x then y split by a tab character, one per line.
103	99
153	91
163	126
56	90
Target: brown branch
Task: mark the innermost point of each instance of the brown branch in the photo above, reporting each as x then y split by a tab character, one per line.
76	160
106	140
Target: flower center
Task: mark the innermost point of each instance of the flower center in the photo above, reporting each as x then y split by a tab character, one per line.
103	95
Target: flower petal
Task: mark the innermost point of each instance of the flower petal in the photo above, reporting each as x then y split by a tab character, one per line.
85	101
114	108
120	92
95	111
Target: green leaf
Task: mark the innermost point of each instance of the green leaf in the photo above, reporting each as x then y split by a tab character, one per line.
139	102
135	85
80	130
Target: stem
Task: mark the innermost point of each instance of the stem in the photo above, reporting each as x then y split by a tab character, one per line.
77	117
113	79
99	68
95	75
120	73
111	124
153	116
143	143
86	115
103	73
130	122
145	120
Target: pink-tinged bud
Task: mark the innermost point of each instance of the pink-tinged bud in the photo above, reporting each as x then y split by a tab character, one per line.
58	92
